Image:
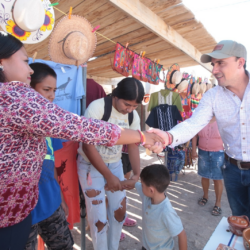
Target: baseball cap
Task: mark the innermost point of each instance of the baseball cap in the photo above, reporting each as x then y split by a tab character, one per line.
225	49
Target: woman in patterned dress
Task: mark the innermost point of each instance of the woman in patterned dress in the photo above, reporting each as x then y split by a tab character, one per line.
26	118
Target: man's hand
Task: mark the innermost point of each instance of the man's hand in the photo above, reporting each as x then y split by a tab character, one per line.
152	138
113	183
162	134
157	148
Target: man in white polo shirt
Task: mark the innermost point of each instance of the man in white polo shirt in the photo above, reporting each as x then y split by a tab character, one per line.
230	103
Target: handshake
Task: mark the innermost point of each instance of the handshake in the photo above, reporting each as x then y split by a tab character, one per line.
157	140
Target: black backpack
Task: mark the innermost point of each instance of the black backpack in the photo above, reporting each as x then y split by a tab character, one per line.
108	109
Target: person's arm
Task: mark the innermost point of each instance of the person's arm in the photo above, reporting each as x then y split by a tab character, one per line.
113	183
194	147
182	240
29	111
64	204
134	158
186	130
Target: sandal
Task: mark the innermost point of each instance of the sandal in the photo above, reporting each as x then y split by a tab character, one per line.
122	237
216	211
129	222
202	201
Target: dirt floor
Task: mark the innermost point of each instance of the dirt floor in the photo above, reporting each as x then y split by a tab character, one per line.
198	222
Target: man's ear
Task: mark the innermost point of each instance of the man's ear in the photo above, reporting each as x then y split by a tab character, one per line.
241	62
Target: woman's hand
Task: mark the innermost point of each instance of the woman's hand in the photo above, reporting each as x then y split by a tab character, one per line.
113	183
153	136
194	155
157	148
128	184
135	177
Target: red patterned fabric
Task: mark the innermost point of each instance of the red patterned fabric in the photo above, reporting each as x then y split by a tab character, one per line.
26	118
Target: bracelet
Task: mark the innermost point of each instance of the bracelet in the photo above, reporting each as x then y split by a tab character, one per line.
169	139
143	138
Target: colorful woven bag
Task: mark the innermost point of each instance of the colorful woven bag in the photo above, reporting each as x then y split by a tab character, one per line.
153	73
140	66
123	59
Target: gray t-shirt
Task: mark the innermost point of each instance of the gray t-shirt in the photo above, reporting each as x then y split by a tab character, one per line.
160	223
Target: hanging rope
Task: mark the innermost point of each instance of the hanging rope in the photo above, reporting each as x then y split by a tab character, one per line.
95	31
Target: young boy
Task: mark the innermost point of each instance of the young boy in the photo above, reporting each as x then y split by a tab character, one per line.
160	223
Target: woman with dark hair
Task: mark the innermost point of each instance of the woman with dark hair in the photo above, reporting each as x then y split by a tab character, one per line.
98	165
49	215
26	119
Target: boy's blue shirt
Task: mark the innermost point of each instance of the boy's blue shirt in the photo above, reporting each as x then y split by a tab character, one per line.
49	198
160	223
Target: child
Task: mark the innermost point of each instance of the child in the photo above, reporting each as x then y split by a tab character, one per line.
49	215
160	223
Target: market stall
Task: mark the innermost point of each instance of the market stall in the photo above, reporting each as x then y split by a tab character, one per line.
164	32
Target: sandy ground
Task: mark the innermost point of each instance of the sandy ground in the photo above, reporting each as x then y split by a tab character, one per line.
198	222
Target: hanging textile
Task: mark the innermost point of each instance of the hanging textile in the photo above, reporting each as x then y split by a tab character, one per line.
164	117
94	91
165	96
69	85
65	163
186	113
175	161
194	103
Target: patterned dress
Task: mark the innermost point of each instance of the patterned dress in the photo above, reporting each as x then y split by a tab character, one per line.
26	118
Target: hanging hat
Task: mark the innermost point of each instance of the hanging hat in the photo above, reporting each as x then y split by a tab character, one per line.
182	86
146	99
195	88
213	80
203	86
30	21
209	86
173	77
72	40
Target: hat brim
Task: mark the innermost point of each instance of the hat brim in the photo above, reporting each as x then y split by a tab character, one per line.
182	85
206	58
29	37
169	85
63	28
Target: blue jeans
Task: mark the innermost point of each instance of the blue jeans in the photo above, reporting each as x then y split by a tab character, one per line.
237	183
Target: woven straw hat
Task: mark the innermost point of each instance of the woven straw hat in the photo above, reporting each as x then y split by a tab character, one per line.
72	41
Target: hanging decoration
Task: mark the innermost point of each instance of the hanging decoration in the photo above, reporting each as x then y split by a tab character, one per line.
30	21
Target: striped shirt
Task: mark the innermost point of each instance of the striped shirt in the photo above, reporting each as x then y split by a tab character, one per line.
233	119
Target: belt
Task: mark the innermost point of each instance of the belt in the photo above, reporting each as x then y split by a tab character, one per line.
240	164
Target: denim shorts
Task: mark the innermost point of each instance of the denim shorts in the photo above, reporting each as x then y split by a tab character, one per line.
210	164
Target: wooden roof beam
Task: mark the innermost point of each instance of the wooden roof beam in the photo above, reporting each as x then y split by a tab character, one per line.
155	24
